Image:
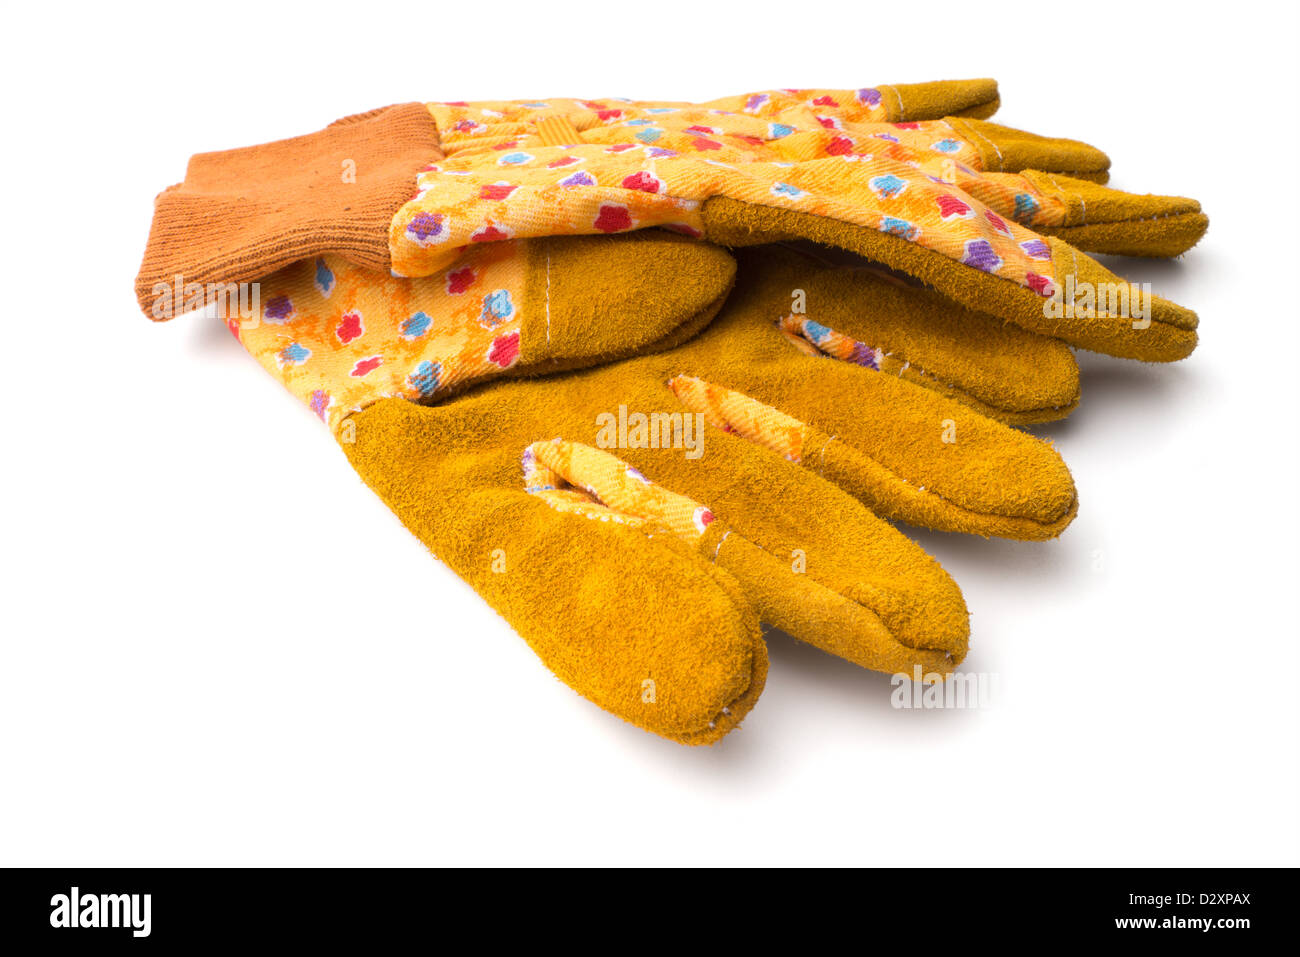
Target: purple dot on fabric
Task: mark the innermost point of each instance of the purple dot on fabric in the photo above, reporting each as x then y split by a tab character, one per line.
864	355
980	254
278	308
424	225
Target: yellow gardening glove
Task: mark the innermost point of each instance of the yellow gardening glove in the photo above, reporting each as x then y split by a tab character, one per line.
943	203
635	522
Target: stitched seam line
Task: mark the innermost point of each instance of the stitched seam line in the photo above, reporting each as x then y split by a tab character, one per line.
548	301
1083	204
718	547
978	134
1115	222
899	98
964	509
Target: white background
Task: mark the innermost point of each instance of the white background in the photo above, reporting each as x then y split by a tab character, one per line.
220	648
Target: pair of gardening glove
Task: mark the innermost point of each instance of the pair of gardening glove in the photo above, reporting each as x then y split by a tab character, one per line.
733	453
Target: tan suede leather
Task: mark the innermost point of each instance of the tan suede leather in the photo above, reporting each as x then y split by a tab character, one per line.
614	610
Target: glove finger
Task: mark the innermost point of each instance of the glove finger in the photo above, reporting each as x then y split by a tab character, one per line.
643	626
951	144
1050	185
906	452
1098	313
940	98
885	103
1003	149
1097	219
869	317
813	561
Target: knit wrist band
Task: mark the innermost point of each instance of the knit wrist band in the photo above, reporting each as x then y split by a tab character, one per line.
242	214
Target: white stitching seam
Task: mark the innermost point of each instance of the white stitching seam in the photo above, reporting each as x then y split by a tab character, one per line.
1002	163
1083	204
1144	219
718	548
899	98
981	406
821	455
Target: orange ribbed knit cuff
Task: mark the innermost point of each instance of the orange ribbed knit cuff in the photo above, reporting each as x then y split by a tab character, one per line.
242	214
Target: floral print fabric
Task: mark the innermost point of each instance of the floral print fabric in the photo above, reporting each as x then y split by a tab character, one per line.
340	337
637	165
